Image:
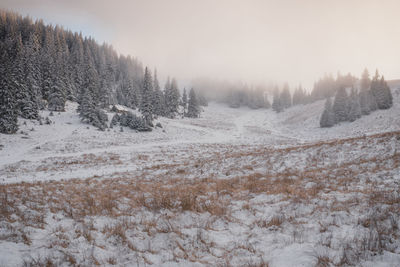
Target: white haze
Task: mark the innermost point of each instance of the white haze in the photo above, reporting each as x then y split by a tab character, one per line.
250	40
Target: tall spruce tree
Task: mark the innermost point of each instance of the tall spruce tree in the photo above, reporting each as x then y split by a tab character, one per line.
202	99
57	92
88	108
8	101
299	96
171	98
31	104
277	105
325	87
340	105
184	102
158	97
64	72
18	74
354	106
328	116
56	96
90	75
365	82
77	61
88	111
48	54
366	98
381	92
285	98
86	105
146	106
193	105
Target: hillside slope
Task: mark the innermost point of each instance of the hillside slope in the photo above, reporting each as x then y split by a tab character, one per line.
236	187
38	145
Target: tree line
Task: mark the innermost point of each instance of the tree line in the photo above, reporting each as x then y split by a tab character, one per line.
373	94
42	66
325	87
283	99
349	104
235	95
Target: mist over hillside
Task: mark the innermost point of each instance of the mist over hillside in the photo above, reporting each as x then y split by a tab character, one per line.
101	164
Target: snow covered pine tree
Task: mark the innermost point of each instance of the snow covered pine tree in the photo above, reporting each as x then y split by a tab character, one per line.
193	106
340	105
8	102
146	105
328	117
184	102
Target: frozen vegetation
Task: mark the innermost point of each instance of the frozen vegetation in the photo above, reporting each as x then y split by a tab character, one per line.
101	166
235	187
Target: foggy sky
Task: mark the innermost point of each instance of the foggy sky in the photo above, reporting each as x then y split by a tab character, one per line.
249	40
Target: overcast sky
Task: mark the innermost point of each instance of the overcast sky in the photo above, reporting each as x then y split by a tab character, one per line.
249	40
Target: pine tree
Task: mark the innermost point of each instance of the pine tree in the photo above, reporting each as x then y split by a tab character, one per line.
365	101
130	95
90	75
299	96
256	99
56	97
365	82
203	100
259	99
64	72
88	111
57	92
18	74
184	102
175	96
381	92
86	106
77	61
167	89
104	90
193	105
328	116
277	105
340	105
346	81
285	98
158	98
48	54
325	87
8	101
354	106
171	98
146	106
30	109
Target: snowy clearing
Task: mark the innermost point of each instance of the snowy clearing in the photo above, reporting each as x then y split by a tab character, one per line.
237	187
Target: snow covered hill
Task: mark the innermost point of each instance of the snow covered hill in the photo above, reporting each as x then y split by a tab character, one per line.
236	187
67	138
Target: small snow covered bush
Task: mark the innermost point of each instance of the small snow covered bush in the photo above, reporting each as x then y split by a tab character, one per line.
134	122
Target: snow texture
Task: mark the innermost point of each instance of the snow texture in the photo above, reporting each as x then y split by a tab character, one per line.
268	188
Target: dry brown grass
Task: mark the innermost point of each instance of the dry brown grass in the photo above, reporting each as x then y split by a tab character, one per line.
174	192
85	160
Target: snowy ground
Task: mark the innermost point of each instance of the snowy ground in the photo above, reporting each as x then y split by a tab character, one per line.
237	187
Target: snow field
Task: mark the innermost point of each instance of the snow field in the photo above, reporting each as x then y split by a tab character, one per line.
237	187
